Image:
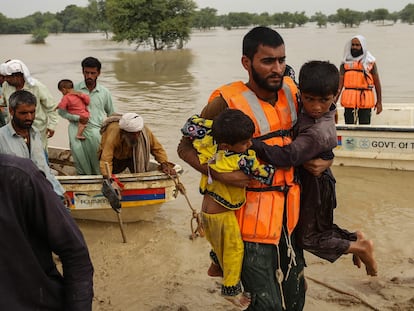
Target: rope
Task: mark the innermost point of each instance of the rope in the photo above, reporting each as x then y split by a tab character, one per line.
343	292
196	216
279	278
290	252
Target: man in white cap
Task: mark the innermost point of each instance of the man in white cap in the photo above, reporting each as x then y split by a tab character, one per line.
127	143
359	79
18	77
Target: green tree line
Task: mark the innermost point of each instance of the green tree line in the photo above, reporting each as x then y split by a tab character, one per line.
167	23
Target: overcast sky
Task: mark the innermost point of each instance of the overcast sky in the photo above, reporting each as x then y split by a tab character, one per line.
21	8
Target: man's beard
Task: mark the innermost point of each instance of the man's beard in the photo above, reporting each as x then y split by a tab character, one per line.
262	82
90	82
21	124
356	52
130	141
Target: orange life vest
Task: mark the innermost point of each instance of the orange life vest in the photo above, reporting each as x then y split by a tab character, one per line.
359	86
261	217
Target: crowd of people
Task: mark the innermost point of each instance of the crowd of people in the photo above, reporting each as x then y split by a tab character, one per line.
263	148
37	224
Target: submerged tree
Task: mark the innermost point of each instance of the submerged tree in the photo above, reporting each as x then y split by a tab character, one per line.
158	23
39	35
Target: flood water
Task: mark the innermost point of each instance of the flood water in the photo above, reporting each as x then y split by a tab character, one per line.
166	87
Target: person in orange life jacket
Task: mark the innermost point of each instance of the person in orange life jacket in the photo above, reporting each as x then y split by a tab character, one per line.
315	136
358	79
273	264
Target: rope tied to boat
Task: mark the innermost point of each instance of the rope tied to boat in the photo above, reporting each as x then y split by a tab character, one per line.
196	223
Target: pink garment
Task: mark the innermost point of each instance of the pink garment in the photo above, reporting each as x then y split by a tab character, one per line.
75	104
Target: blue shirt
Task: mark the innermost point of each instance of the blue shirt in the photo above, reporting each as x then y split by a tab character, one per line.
12	143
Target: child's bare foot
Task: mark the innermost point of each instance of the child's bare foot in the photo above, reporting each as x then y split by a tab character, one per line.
215	270
365	252
80	137
242	300
367	258
356	260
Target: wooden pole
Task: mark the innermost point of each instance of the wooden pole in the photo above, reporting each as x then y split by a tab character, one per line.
121	226
118	214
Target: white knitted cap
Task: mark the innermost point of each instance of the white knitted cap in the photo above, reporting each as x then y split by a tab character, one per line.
131	122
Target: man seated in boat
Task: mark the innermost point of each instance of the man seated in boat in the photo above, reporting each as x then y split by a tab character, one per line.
21	139
127	143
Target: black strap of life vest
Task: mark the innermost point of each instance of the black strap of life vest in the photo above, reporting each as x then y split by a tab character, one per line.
369	88
278	133
283	189
353	69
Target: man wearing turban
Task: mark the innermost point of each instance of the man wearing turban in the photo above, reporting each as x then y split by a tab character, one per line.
128	143
18	77
359	83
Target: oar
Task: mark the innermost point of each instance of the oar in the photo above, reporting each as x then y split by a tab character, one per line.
114	197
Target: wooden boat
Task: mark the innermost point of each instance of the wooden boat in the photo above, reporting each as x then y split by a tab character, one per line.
142	196
386	143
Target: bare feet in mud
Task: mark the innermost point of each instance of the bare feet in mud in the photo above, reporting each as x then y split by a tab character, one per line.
242	300
215	270
363	251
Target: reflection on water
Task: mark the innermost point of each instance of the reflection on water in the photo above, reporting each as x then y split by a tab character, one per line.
155	84
160	67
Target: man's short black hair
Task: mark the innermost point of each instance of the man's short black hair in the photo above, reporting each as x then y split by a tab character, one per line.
91	62
260	36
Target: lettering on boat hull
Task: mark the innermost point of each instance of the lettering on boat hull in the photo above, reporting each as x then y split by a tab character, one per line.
91	200
375	144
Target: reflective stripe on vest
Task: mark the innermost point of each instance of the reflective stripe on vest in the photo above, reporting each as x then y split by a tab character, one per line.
258	112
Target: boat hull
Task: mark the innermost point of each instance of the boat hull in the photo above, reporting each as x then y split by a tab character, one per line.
142	194
388	147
